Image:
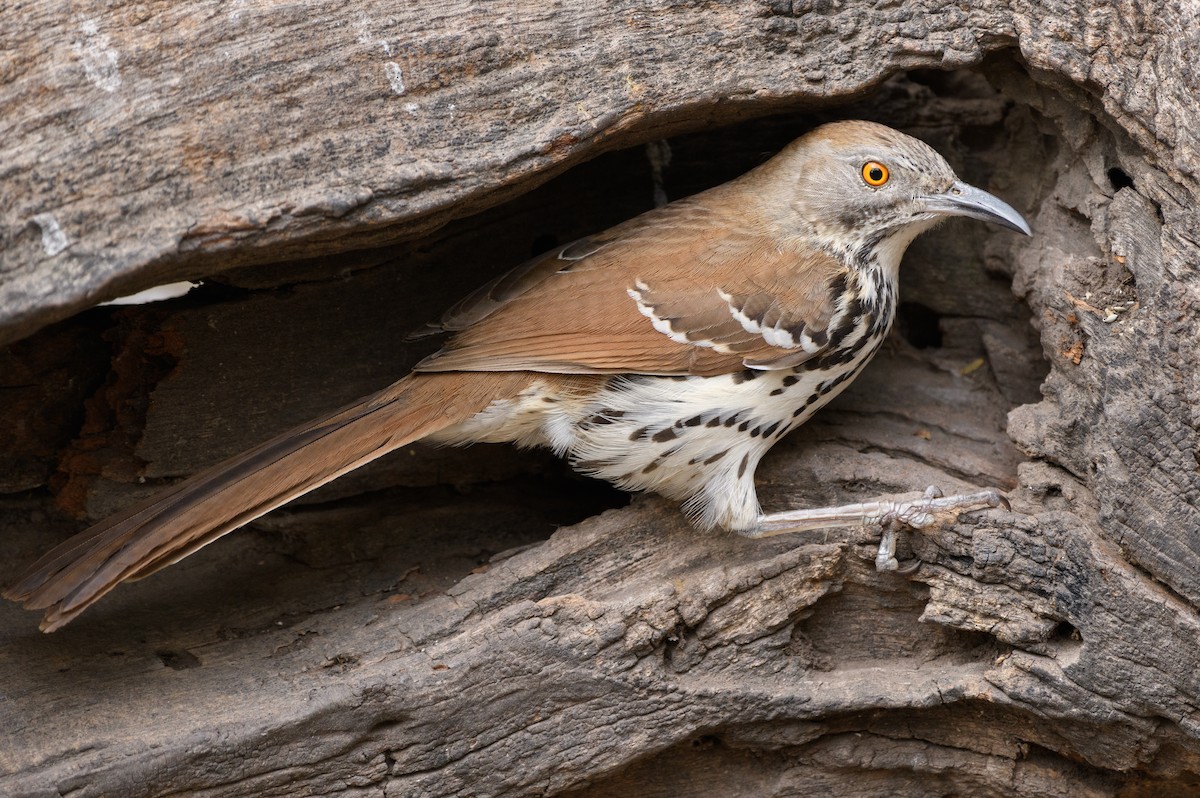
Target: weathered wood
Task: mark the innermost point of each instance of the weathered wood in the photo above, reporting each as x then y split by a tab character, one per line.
417	629
256	132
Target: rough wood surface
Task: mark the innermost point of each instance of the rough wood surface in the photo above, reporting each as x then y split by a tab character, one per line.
421	628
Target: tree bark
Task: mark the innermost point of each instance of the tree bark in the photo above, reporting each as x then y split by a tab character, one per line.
482	622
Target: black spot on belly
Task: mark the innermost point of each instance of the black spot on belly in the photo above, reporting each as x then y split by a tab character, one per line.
829	385
715	421
770	429
664	435
606	415
839	357
650	467
790	380
639	433
694	421
857	346
716	457
742	465
745	425
809	402
843	329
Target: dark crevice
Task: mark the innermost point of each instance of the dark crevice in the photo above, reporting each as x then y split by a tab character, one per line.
144	352
919	325
1119	179
1064	631
542	243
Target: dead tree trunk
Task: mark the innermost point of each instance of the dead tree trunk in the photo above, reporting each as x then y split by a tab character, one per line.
339	174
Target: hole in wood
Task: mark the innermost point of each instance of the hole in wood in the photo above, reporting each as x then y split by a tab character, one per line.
1119	178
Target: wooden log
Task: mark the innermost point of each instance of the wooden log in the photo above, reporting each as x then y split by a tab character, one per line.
475	622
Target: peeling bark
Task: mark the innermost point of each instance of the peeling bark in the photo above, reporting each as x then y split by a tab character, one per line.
473	622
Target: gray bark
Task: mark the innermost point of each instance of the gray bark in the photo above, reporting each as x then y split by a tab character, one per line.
471	622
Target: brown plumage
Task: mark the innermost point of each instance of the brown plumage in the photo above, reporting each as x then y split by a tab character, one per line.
579	318
767	295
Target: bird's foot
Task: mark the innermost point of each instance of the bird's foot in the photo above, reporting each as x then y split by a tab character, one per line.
890	514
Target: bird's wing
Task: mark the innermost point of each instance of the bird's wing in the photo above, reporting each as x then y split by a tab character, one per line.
698	287
495	294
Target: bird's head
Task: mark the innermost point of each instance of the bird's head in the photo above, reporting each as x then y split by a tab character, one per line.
857	184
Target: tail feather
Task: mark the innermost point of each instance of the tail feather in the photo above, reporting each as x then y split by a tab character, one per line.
212	503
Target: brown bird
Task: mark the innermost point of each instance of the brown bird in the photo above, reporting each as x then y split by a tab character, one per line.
666	354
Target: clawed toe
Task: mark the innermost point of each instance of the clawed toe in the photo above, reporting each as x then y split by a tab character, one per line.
885	559
920	513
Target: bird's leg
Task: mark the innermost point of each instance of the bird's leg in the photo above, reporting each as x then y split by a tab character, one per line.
890	514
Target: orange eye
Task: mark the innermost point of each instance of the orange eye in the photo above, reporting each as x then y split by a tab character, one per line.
874	173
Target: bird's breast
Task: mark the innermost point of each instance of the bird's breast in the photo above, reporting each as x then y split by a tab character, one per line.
701	438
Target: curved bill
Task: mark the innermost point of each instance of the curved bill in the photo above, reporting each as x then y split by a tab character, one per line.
962	199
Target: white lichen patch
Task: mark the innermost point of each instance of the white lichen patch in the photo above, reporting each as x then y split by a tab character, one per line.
97	55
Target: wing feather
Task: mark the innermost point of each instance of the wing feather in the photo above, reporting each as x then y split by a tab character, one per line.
692	288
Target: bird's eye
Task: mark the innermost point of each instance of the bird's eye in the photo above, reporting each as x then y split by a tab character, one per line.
874	173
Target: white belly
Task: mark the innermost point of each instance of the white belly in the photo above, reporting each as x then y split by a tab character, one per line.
697	439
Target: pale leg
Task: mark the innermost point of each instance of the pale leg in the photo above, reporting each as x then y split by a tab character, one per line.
891	514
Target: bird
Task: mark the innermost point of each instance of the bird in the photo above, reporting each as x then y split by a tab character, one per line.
666	354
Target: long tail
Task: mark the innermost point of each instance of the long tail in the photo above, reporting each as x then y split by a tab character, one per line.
195	512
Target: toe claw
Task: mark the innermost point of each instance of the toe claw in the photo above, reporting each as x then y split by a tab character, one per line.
885	558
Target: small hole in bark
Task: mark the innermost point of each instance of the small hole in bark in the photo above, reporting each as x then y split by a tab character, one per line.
178	660
919	325
1050	145
1066	632
1119	179
385	727
671	643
